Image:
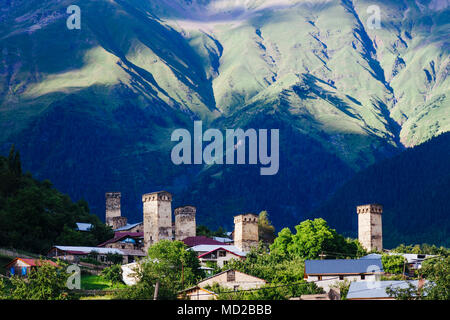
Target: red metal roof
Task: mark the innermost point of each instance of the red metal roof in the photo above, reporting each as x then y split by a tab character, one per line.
33	262
120	235
199	240
129	234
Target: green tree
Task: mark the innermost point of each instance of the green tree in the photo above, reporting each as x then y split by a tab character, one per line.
437	272
272	267
267	292
315	239
45	282
14	164
4	294
93	255
205	231
411	292
170	263
265	228
393	264
422	249
114	258
282	243
34	216
113	274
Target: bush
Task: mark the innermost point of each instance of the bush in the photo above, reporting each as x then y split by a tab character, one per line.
47	282
113	274
393	264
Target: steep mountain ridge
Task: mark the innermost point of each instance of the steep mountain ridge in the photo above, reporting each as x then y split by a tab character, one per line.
414	188
93	109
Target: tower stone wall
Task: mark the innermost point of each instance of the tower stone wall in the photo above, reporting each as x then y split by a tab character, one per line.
246	231
112	207
185	225
157	217
119	222
370	229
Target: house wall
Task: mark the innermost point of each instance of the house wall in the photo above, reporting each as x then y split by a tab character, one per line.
118	222
199	294
138	228
54	253
18	265
242	280
221	261
328	281
120	245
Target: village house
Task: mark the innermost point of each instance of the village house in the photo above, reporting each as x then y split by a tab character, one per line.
23	266
158	224
133	228
376	290
219	255
414	261
230	279
333	294
328	273
74	254
125	240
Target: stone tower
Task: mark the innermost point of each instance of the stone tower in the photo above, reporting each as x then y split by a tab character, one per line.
185	222
157	217
370	227
246	231
112	207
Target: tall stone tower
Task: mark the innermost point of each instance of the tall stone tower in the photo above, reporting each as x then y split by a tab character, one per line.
157	217
112	207
246	231
185	225
370	233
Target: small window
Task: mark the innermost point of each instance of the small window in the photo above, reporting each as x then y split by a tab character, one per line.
235	288
319	278
222	253
341	277
231	276
363	277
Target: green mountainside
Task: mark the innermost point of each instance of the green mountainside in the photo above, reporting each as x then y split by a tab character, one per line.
93	109
35	216
414	188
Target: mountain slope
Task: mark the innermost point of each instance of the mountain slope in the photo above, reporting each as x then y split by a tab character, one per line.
414	188
93	109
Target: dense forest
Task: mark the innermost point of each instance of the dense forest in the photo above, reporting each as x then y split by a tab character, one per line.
34	215
413	187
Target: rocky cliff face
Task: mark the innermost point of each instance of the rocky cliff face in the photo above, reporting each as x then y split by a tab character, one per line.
93	109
